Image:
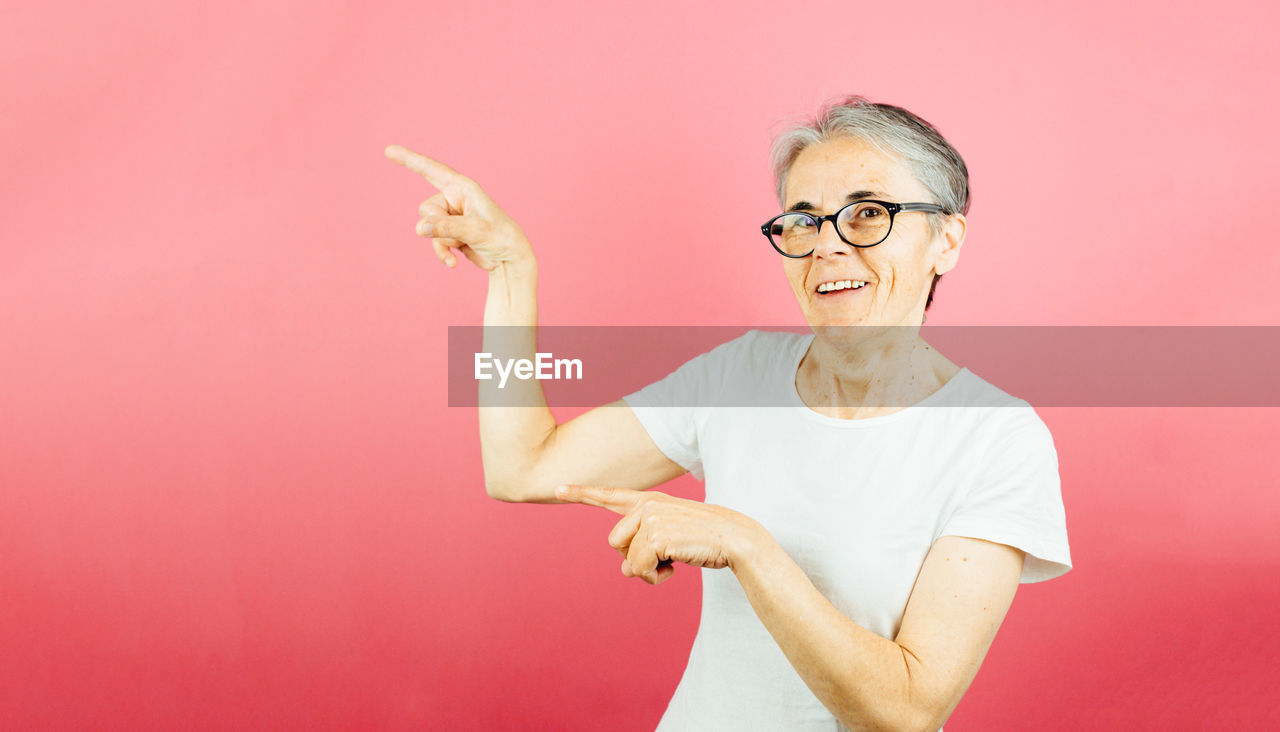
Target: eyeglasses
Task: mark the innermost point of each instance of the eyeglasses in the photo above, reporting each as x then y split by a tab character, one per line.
860	224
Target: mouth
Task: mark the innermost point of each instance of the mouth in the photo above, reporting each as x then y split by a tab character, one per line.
839	288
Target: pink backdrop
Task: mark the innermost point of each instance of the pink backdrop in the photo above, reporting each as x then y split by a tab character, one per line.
231	493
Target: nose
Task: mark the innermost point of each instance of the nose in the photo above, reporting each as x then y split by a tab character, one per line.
829	242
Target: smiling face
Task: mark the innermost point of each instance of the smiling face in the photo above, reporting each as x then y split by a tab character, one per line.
898	271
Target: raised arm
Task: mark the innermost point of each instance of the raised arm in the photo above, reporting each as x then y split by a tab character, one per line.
525	453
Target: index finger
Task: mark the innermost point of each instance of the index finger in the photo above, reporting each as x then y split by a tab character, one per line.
437	173
618	500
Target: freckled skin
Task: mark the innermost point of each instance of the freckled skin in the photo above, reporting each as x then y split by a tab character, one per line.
865	371
899	269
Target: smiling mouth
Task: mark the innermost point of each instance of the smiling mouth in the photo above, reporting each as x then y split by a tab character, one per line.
836	287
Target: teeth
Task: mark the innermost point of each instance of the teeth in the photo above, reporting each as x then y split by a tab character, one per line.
840	285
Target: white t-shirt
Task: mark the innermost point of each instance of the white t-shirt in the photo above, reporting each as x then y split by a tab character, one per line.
856	503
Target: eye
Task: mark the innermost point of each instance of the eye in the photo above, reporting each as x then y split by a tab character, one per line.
797	223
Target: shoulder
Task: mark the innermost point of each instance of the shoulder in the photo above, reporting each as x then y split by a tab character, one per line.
994	415
974	391
773	346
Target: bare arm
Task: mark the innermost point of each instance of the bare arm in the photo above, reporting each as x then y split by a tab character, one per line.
912	682
525	453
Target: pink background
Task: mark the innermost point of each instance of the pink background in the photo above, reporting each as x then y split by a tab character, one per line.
231	494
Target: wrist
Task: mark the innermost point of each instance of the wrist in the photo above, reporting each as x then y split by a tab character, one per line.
520	267
752	547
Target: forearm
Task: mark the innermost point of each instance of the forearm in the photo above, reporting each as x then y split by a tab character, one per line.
863	678
514	418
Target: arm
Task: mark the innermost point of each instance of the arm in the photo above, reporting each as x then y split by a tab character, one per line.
914	682
524	452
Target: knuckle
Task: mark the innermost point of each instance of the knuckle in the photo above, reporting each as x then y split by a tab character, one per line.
446	228
509	229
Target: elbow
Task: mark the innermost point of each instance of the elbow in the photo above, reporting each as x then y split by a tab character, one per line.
921	707
512	481
501	491
923	720
907	719
505	497
909	712
900	720
523	484
519	490
921	715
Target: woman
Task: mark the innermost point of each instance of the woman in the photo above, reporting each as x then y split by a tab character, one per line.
873	544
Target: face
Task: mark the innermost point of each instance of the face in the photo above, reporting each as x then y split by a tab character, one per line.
898	271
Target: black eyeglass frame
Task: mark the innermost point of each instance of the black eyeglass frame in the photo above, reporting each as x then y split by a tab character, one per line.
893	208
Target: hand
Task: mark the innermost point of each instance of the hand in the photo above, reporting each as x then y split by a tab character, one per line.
463	217
657	529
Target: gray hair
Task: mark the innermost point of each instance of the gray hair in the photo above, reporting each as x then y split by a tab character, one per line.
895	132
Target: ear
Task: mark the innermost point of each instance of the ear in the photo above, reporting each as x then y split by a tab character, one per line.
951	238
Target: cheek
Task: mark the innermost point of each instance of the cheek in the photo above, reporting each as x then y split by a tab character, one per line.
795	272
884	269
902	274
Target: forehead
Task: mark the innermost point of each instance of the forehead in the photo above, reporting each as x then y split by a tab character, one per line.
835	168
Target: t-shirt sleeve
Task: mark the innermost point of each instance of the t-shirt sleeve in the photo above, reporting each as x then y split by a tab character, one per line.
1016	498
674	408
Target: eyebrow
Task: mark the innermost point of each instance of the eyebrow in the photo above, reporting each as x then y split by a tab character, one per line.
855	196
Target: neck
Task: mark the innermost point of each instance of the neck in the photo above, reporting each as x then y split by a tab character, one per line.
858	370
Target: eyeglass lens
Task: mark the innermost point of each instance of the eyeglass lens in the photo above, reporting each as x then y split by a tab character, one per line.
862	224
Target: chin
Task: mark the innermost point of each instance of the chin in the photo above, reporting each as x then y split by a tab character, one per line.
839	329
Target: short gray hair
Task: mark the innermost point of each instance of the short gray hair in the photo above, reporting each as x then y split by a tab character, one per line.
895	132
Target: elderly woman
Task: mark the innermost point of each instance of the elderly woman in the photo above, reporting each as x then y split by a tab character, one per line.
876	526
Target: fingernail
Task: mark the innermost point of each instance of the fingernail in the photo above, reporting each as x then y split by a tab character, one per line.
426	228
562	491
